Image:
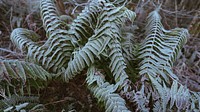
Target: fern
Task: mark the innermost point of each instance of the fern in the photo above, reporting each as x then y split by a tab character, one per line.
26	74
160	48
180	35
19	103
84	57
59	45
51	20
105	92
55	53
108	21
174	96
95	39
159	51
24	38
83	26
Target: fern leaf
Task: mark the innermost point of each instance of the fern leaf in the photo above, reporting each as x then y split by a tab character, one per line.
22	71
84	57
117	63
24	38
51	20
112	17
175	38
59	44
52	58
104	92
83	26
178	96
58	52
106	31
14	102
157	50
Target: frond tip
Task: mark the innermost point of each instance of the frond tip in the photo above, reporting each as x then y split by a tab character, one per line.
160	48
24	38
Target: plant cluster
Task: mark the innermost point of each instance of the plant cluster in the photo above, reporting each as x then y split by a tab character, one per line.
97	41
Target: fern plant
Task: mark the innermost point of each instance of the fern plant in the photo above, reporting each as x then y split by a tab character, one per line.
158	51
20	103
95	41
17	79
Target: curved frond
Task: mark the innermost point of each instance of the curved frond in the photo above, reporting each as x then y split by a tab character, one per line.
52	58
117	64
106	37
50	18
84	57
59	45
24	38
83	26
105	92
58	52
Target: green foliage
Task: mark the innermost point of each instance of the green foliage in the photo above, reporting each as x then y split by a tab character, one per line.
104	42
96	40
160	48
104	91
20	103
17	75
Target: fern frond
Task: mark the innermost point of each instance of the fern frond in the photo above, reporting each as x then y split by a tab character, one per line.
58	52
81	29
13	103
53	58
117	63
24	38
106	32
84	57
157	51
178	96
153	48
141	100
83	26
63	42
111	31
111	18
50	18
24	73
175	38
59	44
105	92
